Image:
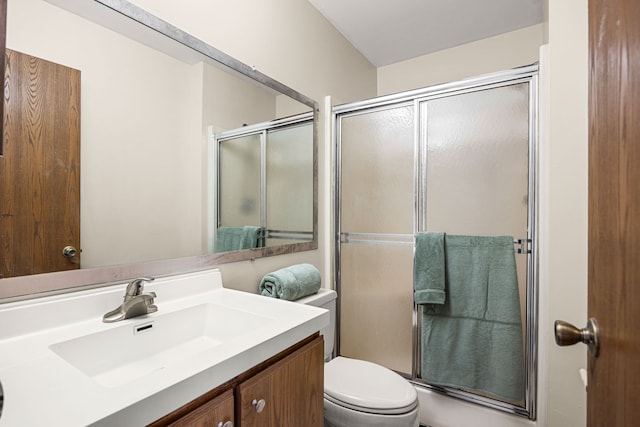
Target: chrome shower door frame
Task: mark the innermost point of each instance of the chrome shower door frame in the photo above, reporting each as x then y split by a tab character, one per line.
527	74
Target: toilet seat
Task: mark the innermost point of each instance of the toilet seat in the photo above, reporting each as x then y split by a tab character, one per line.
366	387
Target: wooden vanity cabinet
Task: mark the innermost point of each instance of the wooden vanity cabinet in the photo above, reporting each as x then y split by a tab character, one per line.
284	391
216	412
288	393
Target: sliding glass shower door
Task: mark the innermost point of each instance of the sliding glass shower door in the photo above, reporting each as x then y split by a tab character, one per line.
378	154
455	158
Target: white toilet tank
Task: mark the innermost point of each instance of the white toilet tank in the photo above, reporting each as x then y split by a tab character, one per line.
325	298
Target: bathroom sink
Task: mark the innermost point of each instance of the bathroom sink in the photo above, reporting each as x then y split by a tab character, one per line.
137	370
149	344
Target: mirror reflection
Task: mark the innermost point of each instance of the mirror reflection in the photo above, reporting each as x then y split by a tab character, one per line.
146	165
265	181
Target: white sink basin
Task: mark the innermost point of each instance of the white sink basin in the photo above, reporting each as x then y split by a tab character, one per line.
149	344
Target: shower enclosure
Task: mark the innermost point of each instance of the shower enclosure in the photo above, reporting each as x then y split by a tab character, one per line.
456	158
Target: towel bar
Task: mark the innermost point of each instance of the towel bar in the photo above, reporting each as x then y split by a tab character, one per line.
522	243
287	234
385	239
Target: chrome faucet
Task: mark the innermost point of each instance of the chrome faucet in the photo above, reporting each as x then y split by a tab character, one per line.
136	303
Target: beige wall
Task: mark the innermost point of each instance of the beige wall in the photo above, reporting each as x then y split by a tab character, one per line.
565	274
497	53
230	102
290	41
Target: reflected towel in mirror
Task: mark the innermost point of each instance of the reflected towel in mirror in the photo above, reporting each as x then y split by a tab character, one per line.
237	238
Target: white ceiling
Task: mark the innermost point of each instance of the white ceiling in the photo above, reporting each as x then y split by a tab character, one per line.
389	31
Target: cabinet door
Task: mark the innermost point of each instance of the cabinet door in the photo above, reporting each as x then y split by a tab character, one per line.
287	394
214	413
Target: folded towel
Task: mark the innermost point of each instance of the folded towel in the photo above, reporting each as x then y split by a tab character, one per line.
474	340
428	269
291	283
237	238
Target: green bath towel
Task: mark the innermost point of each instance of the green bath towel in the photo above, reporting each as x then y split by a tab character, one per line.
474	340
291	283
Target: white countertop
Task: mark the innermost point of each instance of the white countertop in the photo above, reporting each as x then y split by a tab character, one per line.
41	388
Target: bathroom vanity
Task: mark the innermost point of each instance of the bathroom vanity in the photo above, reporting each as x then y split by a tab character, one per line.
285	390
207	352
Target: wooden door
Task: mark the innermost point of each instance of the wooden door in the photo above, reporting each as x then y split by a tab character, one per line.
614	211
3	45
39	167
289	393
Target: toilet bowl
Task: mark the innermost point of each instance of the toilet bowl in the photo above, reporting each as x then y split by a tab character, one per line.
358	393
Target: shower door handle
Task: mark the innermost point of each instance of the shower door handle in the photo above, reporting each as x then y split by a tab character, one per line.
567	334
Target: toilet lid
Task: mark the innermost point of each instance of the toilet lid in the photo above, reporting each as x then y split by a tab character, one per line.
367	387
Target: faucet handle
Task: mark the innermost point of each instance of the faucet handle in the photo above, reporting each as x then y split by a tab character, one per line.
136	286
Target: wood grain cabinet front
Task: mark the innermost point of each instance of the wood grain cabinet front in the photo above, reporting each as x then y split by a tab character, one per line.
284	391
288	393
218	412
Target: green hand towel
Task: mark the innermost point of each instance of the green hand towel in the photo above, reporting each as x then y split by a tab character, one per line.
291	283
428	269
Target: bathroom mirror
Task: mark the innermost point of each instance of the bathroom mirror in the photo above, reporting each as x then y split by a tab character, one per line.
152	99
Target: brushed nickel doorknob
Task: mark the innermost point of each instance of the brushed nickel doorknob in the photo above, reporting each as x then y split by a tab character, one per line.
69	252
567	334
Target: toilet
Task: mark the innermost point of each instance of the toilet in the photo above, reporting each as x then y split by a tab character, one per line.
359	393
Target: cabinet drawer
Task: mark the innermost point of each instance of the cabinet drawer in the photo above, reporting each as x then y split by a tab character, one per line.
211	414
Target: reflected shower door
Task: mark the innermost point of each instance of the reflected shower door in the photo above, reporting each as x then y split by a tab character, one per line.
266	179
289	175
377	188
239	175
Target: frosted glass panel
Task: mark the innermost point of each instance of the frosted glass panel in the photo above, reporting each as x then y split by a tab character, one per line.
377	305
377	171
477	162
290	180
239	176
477	166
